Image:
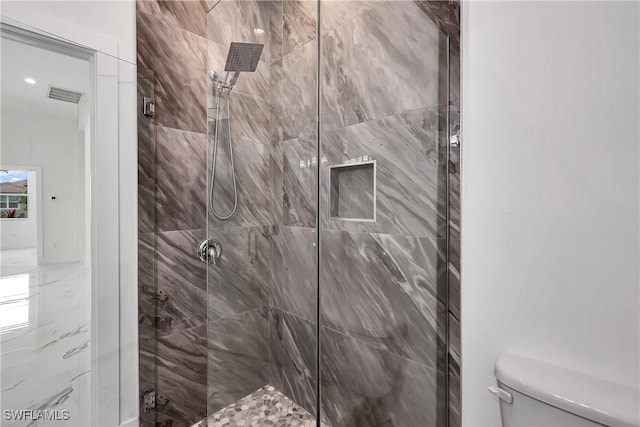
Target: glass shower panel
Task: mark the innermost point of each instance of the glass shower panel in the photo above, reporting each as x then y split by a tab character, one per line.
328	216
383	213
262	198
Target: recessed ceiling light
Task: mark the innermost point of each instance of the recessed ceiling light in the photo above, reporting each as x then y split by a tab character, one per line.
30	81
258	31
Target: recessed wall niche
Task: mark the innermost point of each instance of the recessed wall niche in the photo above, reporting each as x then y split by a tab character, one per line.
353	191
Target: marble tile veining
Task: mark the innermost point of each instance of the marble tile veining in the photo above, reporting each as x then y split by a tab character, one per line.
239	282
147	307
180	281
276	178
299	19
337	12
447	16
382	289
454	334
363	386
45	355
454	170
300	175
178	59
251	162
445	13
299	360
276	185
454	277
455	418
454	73
146	241
299	24
381	78
299	93
276	20
146	157
382	62
250	117
181	390
188	15
180	179
275	348
240	21
276	265
238	357
407	177
298	287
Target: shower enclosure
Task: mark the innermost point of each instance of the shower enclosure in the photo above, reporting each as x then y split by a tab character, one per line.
326	290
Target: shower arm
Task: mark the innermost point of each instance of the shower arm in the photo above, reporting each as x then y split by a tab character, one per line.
234	79
222	84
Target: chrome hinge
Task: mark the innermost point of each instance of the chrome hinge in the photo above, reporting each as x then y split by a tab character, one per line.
148	107
149	400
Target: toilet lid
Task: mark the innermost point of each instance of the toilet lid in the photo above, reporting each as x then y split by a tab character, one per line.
592	398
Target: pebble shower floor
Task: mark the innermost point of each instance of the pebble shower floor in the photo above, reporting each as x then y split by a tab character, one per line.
264	407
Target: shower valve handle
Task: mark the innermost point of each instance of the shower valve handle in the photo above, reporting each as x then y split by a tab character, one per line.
210	251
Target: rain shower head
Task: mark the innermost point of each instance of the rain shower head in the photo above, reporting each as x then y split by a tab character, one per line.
243	57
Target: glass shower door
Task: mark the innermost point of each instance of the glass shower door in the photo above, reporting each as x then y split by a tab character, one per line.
332	276
383	213
262	145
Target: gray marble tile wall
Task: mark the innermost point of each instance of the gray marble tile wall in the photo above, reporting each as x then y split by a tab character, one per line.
209	342
204	323
238	356
454	236
243	288
293	262
172	57
216	318
146	245
296	299
363	385
383	284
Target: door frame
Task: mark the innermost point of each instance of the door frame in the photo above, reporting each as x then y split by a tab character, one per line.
105	219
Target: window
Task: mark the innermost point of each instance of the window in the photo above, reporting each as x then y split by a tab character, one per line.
14	194
8	201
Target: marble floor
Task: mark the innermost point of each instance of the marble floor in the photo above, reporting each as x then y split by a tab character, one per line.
264	407
45	356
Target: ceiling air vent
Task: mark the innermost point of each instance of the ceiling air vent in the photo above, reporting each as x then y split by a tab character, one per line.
66	95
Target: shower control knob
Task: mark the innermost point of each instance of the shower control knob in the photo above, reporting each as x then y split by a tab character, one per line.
210	251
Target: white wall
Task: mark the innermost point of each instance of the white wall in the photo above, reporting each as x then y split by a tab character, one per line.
55	145
22	233
107	27
115	19
550	190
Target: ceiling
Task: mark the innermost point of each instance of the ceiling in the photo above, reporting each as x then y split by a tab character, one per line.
19	61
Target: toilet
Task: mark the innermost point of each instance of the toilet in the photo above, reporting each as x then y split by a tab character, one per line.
538	394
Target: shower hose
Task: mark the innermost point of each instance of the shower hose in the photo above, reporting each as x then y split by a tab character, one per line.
213	166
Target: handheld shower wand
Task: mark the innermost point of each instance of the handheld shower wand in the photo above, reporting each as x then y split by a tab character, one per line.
242	57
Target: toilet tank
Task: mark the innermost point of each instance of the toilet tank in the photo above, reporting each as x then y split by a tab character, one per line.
534	393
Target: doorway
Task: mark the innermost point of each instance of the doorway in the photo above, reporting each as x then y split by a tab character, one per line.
45	233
